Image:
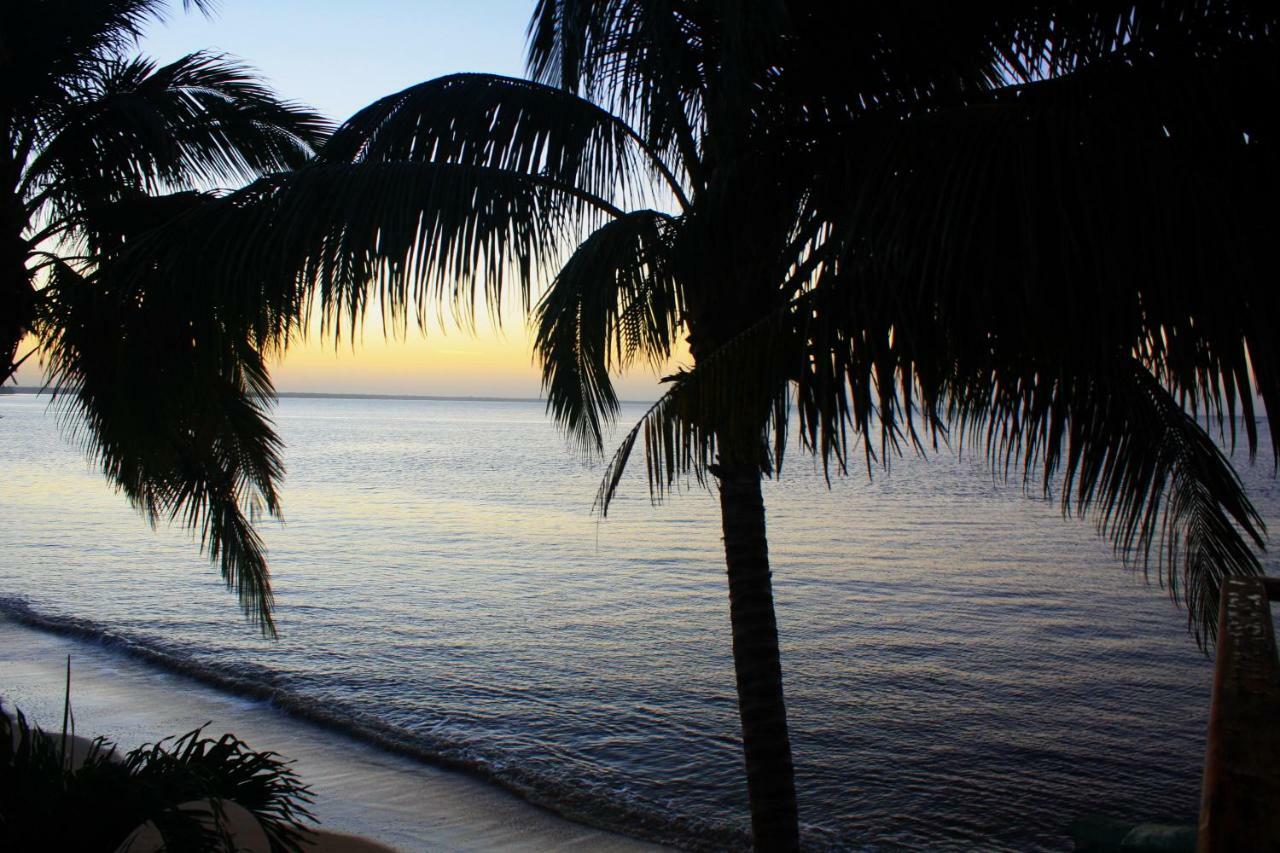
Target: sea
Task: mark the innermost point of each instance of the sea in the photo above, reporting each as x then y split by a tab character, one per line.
964	667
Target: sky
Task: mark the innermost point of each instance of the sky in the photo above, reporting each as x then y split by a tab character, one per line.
338	57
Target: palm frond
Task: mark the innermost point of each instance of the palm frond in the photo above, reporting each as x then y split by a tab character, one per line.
505	123
179	786
1069	37
1123	210
558	35
49	46
408	234
1114	442
1092	248
171	382
839	63
173	409
44	790
734	403
203	120
1132	458
193	767
641	60
613	302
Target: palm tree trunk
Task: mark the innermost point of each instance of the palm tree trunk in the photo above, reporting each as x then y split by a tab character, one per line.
757	665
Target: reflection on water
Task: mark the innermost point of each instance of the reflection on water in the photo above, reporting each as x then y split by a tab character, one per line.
961	665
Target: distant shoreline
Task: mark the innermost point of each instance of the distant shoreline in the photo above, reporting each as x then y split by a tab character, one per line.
326	395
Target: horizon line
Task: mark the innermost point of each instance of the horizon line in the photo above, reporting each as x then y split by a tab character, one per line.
354	395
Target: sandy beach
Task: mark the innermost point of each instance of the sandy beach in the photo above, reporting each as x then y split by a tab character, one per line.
359	790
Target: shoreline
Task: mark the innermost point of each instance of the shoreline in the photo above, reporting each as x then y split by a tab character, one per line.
360	788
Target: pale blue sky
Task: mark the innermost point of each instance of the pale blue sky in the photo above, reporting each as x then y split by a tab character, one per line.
340	56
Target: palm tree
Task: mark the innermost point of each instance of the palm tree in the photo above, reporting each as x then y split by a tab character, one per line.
1041	230
164	385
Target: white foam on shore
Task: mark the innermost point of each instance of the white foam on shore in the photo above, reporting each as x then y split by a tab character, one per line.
358	789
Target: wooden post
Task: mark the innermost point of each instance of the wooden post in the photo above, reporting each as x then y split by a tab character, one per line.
1240	800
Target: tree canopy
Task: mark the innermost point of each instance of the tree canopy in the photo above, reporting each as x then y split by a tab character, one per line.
165	386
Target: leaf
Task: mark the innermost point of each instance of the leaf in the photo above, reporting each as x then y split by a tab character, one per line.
613	302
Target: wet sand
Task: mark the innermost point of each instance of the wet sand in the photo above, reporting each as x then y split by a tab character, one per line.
359	789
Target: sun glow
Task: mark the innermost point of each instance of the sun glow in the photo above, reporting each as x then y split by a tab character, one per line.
440	360
493	360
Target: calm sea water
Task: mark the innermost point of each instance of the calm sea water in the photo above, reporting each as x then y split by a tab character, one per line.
963	667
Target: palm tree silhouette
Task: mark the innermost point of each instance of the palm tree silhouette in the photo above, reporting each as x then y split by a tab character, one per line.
97	147
1041	231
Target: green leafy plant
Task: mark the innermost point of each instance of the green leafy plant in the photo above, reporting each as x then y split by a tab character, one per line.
58	792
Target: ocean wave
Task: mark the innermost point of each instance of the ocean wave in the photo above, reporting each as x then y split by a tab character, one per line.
259	683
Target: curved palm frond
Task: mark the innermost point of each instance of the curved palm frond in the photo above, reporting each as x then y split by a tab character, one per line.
505	123
171	383
192	768
172	406
1123	210
839	63
641	60
704	406
1116	444
1068	37
48	46
1089	257
408	234
614	301
674	447
135	127
1131	457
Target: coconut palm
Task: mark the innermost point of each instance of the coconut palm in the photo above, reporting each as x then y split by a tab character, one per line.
1040	230
164	386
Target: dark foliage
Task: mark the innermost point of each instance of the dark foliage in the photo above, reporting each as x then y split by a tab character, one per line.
165	385
48	801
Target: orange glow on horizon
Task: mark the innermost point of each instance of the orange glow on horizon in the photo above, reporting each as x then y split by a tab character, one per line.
487	363
448	361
